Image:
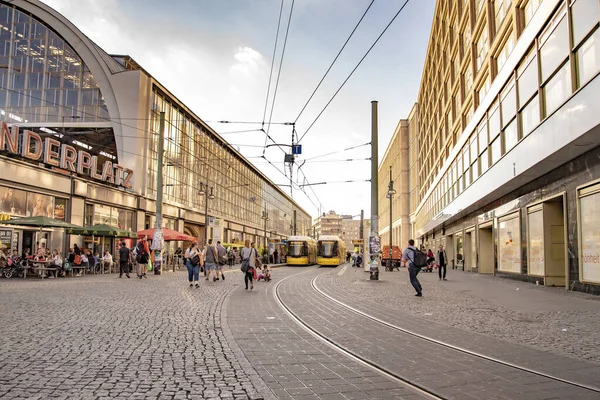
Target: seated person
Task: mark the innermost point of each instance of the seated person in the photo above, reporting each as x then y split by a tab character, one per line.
40	255
107	260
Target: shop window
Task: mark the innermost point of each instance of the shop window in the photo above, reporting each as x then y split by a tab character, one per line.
509	244
554	44
527	77
588	58
585	15
530	116
510	137
558	89
589	233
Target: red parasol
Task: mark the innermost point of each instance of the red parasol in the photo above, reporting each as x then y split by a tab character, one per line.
169	235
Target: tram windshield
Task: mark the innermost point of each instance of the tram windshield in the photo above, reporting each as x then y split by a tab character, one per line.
297	249
328	248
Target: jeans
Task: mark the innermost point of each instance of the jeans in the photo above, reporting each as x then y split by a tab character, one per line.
440	271
123	268
412	273
249	276
193	271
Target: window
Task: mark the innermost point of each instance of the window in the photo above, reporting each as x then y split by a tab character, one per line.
496	150
505	51
473	146
494	121
483	89
527	80
530	116
585	15
508	103
588	58
482	47
510	137
467	40
468	75
501	8
530	9
484	161
558	89
482	135
554	47
589	214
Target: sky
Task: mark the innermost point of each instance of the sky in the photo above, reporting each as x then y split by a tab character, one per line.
216	57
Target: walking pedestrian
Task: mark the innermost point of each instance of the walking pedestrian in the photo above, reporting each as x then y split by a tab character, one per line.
276	257
221	260
249	255
414	256
442	261
210	260
123	260
193	260
142	256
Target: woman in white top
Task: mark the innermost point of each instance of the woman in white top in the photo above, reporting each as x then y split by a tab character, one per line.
192	266
107	260
249	255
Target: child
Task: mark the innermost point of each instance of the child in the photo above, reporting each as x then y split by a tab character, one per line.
265	274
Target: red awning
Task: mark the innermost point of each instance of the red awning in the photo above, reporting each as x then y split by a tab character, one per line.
169	235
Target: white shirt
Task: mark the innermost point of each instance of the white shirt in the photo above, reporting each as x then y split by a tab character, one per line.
108	258
250	254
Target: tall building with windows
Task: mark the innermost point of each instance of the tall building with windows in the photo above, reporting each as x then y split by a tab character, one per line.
508	165
79	142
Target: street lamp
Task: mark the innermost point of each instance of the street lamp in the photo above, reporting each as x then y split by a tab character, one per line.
265	216
204	190
390	194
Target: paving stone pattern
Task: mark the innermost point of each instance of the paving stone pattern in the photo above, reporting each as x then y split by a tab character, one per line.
549	319
444	371
292	362
101	337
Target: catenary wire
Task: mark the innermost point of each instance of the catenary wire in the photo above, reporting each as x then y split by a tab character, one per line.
272	64
339	151
334	60
352	72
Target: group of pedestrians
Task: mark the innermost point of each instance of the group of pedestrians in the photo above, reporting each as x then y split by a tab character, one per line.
209	260
416	259
140	256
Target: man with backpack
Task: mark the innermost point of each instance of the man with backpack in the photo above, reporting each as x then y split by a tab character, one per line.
123	260
416	260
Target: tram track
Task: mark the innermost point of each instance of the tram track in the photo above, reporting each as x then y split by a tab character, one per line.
347	352
590	388
304	320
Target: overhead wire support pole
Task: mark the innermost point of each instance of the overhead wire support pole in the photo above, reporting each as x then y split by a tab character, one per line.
157	240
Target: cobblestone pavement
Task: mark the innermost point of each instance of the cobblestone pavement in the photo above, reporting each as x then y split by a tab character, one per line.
544	318
100	337
292	362
444	371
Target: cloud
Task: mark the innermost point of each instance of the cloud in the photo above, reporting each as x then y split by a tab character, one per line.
248	62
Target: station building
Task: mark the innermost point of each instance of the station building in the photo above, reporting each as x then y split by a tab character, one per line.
79	142
506	162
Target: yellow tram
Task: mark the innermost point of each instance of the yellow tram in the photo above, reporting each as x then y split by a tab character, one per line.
331	251
302	250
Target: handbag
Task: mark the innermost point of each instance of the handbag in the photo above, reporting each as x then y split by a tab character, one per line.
149	265
195	260
245	265
77	259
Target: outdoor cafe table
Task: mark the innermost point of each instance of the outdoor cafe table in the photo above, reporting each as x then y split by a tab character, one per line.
44	265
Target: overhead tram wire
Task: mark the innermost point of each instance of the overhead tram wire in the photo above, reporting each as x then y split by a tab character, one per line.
339	151
287	31
354	70
272	64
334	60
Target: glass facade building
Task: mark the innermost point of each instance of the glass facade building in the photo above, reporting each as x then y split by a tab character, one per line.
505	114
80	132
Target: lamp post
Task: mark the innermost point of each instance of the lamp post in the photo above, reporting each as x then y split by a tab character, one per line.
265	216
207	191
390	194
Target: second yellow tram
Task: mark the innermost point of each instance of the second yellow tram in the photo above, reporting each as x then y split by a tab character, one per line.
301	250
331	251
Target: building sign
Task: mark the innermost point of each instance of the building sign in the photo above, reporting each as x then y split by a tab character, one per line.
536	243
52	152
509	245
6	238
357	242
590	237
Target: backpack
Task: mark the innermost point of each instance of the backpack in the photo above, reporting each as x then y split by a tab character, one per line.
419	258
140	256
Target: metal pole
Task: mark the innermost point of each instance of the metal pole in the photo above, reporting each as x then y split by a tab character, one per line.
158	239
294	222
205	238
374	188
391	186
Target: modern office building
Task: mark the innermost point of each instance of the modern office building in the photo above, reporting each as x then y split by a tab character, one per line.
351	230
79	142
328	224
508	133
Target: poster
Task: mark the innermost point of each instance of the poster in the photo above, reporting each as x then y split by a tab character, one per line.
6	238
60	206
590	237
536	243
13	201
374	244
40	205
509	246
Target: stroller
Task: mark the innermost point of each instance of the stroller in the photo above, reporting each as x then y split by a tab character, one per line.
14	267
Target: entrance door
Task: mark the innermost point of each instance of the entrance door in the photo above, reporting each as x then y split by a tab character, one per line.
486	250
460	252
554	237
470	256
